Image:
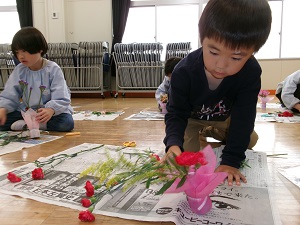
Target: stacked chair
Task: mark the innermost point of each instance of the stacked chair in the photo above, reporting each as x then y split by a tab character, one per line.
7	64
138	67
82	65
85	65
180	49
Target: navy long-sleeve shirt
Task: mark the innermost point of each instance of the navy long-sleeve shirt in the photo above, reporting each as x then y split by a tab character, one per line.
236	96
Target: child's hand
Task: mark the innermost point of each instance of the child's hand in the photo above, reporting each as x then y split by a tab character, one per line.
173	149
3	117
44	115
233	174
164	98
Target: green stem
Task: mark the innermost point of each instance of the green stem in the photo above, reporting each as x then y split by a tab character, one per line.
11	138
39	104
29	96
61	157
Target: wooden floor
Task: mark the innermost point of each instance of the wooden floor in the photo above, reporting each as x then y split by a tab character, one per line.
274	138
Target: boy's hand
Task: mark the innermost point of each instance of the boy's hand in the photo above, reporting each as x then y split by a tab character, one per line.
173	149
44	115
3	117
233	174
164	98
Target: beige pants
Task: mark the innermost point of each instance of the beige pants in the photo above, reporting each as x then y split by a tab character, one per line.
191	138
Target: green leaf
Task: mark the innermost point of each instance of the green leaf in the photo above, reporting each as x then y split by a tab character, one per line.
149	180
165	187
4	135
183	179
172	162
244	164
148	183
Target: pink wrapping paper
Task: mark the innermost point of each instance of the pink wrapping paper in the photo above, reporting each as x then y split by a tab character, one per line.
32	124
200	184
265	99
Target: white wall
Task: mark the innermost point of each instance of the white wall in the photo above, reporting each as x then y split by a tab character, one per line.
77	20
275	70
90	20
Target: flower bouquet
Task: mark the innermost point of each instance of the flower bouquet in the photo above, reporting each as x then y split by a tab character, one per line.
199	183
264	98
29	115
33	125
191	173
163	103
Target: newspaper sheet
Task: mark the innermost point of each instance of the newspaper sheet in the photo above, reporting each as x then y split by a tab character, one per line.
291	169
26	143
270	105
89	115
272	117
248	204
291	172
147	115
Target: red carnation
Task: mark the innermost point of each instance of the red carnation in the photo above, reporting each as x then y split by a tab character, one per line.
37	174
90	190
86	216
285	114
86	202
13	177
155	156
190	158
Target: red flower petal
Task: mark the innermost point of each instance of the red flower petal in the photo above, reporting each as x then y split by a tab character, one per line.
155	156
90	190
86	202
190	158
286	114
13	177
37	174
86	216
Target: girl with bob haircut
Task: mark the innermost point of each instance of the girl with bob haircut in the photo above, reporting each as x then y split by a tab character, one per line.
35	83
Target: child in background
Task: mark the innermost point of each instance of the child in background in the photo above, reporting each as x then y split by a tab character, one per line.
288	92
214	90
161	93
52	101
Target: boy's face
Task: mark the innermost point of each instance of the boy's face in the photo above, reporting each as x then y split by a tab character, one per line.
168	76
221	61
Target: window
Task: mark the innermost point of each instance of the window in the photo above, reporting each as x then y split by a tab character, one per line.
271	49
163	23
168	21
9	20
138	30
177	24
290	31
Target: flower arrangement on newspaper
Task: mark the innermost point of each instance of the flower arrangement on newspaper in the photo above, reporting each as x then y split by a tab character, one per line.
191	173
28	113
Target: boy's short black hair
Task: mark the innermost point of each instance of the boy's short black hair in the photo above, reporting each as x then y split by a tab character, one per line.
170	64
236	23
29	39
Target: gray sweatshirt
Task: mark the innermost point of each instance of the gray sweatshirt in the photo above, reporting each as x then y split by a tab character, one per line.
288	88
56	94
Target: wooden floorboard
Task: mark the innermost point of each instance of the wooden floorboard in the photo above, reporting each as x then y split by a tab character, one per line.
273	138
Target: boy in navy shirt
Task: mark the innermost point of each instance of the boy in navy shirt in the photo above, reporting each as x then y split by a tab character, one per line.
218	84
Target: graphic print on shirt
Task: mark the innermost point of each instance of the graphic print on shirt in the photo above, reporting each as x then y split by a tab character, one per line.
216	112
